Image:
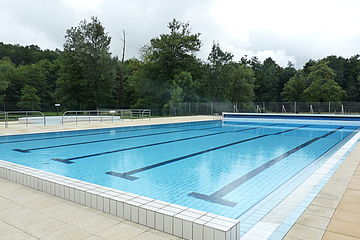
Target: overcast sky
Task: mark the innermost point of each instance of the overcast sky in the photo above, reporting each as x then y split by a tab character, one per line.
286	30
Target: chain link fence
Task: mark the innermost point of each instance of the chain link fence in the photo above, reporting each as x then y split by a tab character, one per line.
206	108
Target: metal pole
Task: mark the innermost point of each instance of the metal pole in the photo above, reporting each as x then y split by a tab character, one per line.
264	107
295	108
26	114
329	108
189	109
6	120
76	118
211	105
89	117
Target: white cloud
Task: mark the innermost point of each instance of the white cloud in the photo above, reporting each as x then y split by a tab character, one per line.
86	5
294	30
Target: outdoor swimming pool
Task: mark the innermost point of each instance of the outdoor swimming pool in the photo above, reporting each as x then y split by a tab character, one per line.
225	168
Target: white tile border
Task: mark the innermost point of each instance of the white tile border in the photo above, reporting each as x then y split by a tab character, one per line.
272	220
170	218
260	118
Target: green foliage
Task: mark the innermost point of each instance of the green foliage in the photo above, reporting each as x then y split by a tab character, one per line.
241	84
168	73
23	55
217	74
87	69
295	87
267	81
169	62
7	75
29	100
323	87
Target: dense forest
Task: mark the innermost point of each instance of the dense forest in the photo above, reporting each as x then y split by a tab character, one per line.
85	75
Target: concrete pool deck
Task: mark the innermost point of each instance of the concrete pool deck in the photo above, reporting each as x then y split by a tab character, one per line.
29	214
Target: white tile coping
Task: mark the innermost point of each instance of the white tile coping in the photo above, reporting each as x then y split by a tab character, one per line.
170	218
269	223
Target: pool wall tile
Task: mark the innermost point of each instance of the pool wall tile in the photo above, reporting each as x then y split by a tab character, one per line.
159	221
178	227
120	209
113	207
127	211
171	218
168	224
134	213
142	216
150	218
209	233
198	230
187	229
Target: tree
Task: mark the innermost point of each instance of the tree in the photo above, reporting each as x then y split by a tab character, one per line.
7	74
241	84
267	80
88	70
323	87
218	71
285	75
295	87
164	62
29	100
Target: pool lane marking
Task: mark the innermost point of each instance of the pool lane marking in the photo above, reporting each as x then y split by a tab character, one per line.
127	175
107	132
107	140
302	169
217	197
69	160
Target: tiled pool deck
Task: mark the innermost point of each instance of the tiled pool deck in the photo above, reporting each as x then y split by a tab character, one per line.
29	214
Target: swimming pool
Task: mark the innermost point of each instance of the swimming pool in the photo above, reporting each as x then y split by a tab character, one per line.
225	168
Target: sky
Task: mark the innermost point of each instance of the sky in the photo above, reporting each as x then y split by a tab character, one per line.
285	30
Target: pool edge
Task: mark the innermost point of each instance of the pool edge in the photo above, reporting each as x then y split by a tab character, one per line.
170	218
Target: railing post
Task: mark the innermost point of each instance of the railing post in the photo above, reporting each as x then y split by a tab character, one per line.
26	121
76	118
295	108
329	108
6	120
264	107
189	108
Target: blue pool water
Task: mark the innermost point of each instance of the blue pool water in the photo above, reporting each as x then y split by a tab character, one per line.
222	168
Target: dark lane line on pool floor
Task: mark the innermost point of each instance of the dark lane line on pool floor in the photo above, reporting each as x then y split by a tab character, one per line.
332	147
69	160
109	139
217	197
127	175
138	128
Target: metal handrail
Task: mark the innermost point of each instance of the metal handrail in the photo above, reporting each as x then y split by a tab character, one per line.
311	109
140	113
258	109
88	113
22	112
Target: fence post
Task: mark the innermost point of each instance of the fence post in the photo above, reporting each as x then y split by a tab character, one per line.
264	107
189	108
6	120
329	108
295	108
